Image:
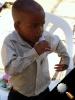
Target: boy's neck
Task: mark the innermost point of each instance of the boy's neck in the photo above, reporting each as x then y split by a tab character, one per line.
30	43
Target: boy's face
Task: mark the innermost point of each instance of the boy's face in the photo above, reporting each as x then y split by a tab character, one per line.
30	27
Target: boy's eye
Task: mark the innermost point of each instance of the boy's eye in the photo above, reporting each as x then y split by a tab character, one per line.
37	25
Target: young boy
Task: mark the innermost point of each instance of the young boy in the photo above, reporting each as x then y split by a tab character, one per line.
24	53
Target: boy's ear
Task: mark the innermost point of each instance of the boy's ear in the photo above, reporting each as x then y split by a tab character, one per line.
16	25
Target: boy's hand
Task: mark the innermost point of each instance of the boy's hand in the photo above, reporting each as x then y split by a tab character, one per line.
41	47
61	67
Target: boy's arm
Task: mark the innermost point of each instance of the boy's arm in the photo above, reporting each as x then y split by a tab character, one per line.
58	47
16	64
65	59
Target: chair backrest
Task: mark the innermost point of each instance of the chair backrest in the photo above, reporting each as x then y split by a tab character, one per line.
65	27
58	22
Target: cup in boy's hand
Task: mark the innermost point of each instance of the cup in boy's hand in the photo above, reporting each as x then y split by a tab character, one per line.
42	46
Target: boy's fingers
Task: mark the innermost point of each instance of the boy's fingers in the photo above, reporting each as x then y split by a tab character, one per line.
61	67
59	64
58	69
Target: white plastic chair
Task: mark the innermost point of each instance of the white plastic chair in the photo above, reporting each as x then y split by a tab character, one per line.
64	26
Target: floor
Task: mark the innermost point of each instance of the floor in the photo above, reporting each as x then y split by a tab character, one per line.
3	94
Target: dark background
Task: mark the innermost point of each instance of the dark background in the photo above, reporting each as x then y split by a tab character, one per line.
69	80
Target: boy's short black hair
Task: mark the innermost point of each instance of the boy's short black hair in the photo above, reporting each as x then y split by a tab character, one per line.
25	6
